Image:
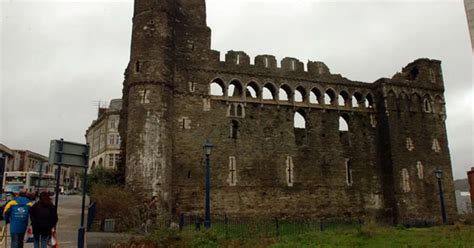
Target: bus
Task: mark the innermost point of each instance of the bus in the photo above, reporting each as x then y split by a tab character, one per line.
16	181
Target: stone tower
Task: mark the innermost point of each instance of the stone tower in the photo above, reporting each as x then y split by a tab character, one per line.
380	167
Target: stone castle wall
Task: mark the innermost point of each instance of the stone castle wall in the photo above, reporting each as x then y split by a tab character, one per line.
381	168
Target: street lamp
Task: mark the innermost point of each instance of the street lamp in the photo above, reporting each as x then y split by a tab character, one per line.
207	217
439	176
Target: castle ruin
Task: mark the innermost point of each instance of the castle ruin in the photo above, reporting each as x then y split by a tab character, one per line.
380	166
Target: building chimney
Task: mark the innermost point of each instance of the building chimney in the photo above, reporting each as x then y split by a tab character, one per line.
470	177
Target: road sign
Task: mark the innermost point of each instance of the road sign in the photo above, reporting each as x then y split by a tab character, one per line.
68	153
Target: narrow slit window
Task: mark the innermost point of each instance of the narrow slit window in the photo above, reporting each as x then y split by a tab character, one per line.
234	129
238	59
289	171
232	171
348	172
266	62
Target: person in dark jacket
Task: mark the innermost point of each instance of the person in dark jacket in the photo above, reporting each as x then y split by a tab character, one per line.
43	219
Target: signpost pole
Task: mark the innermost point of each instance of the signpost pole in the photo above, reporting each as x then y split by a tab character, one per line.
58	172
82	231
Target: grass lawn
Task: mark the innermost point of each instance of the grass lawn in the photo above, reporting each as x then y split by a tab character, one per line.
359	236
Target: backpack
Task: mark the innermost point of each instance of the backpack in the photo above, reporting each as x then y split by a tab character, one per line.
19	217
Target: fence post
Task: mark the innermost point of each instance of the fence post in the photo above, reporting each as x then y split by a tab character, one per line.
277	225
226	222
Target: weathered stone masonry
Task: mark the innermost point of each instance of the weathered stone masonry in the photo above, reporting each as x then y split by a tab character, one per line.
382	167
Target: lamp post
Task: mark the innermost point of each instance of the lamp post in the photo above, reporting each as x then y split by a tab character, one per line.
207	210
439	176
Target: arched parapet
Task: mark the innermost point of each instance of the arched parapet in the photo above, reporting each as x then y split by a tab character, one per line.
266	61
292	64
315	96
285	93
252	90
269	92
235	89
300	94
237	58
357	100
318	68
217	87
343	99
330	97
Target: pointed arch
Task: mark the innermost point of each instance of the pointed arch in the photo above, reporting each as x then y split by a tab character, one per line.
344	123
299	120
343	98
300	94
285	93
357	100
415	103
269	92
252	90
391	100
217	87
329	97
403	102
235	89
369	101
315	96
427	104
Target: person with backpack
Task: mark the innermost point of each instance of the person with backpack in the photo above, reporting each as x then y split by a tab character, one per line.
16	214
43	219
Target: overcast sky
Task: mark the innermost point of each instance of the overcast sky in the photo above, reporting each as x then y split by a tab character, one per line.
59	58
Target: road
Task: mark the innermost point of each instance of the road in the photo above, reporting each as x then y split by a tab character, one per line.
69	220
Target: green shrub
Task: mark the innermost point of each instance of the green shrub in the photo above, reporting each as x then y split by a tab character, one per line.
118	203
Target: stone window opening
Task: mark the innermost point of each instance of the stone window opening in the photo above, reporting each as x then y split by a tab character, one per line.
111	139
206	104
405	181
349	178
252	90
192	87
299	127
343	98
137	67
409	144
267	64
293	65
217	88
329	97
144	96
369	101
232	179
300	94
238	59
315	96
343	123
436	147
427	106
284	93
357	100
269	92
189	174
234	129
235	89
185	123
419	167
236	110
289	171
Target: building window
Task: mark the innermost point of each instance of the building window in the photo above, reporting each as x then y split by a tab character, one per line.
427	106
192	87
111	139
112	124
234	129
111	160
348	172
289	171
405	181
409	144
266	62
419	167
232	171
185	123
236	110
144	96
118	140
436	147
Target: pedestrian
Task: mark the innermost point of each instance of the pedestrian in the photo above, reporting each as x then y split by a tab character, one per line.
43	219
16	214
